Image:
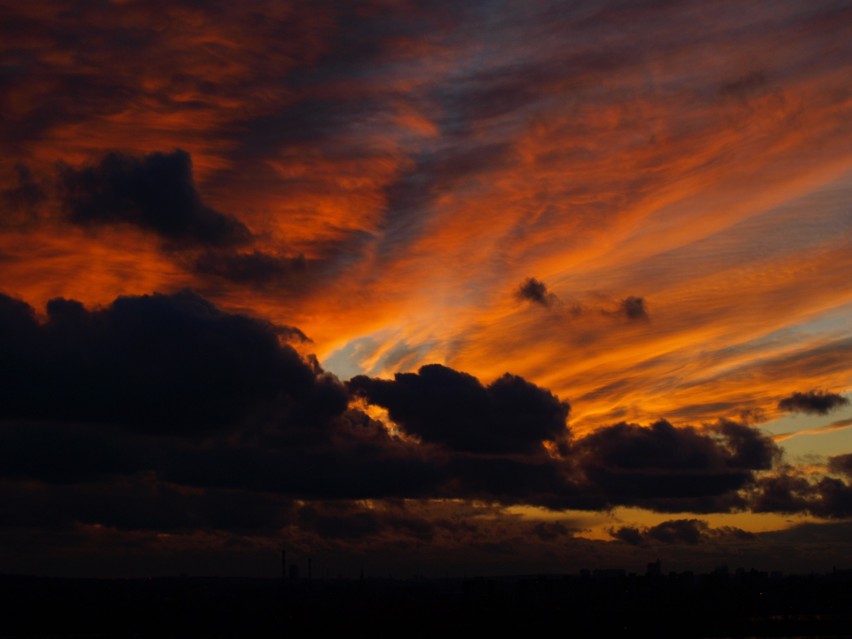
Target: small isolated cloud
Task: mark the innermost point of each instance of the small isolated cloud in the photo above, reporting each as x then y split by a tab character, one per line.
533	290
814	402
633	308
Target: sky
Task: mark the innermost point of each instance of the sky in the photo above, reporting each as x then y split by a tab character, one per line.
429	287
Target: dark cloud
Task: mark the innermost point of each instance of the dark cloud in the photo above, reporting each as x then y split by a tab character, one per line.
633	308
660	467
628	534
159	363
534	290
785	492
841	464
791	491
539	480
833	498
669	469
281	455
725	446
318	464
677	531
68	454
747	447
156	193
91	402
444	406
815	402
551	530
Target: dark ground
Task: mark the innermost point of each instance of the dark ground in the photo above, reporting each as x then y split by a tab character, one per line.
601	603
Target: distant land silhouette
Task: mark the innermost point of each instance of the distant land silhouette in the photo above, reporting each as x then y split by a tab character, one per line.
602	603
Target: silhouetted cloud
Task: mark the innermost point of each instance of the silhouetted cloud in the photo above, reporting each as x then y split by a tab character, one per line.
633	308
833	498
724	446
670	469
628	534
159	363
785	492
529	479
171	385
534	290
791	491
550	530
444	406
841	464
156	193
815	402
413	152
677	531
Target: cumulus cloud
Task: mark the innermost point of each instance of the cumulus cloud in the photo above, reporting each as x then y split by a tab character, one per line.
789	490
815	402
727	445
157	363
171	391
674	469
533	290
444	406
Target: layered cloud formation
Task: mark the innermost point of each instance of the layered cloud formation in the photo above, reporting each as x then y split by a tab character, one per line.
163	412
474	214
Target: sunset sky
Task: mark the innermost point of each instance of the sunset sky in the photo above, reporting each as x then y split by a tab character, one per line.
435	287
